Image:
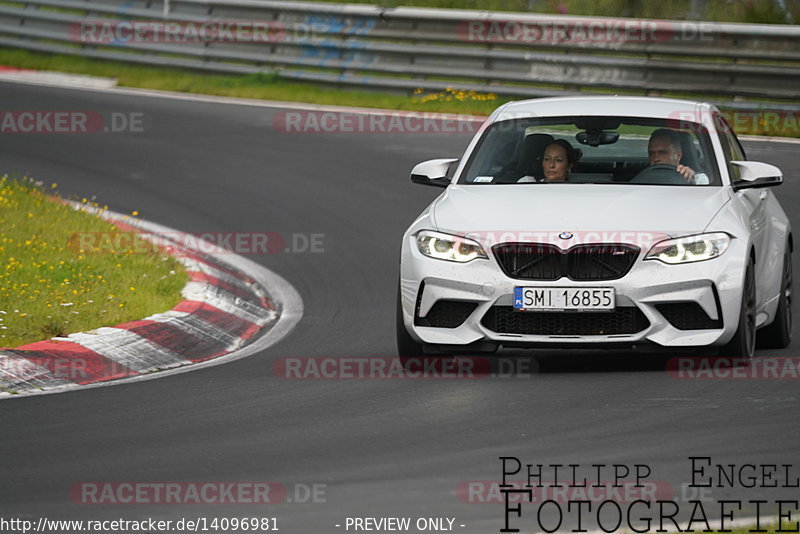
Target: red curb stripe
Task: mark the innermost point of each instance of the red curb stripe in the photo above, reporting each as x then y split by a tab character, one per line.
180	342
228	322
133	324
125	227
6	68
73	362
219	266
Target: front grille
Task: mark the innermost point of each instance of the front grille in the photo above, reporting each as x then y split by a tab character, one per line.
539	261
624	320
687	316
447	314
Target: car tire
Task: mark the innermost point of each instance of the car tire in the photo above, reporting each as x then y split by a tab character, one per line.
407	347
778	334
743	343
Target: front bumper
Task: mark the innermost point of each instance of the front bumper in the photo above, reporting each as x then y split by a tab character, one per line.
651	301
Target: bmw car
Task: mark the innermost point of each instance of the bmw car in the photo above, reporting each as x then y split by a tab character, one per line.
598	222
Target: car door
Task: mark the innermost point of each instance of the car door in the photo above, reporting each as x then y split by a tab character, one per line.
755	202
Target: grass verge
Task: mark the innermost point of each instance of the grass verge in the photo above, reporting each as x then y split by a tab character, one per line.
267	87
259	86
50	287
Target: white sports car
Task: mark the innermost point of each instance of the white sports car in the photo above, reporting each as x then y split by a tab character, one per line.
598	222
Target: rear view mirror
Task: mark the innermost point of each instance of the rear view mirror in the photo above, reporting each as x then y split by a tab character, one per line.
597	137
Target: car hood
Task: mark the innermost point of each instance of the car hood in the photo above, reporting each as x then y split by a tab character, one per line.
577	208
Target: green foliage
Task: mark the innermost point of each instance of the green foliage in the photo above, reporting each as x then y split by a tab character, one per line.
64	270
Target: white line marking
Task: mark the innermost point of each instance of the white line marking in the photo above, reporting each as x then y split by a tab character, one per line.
58	79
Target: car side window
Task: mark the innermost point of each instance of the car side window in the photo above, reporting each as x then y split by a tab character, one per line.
730	146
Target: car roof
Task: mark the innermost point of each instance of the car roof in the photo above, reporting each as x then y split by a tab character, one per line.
625	106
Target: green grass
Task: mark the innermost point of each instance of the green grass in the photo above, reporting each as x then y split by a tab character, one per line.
50	286
268	86
259	86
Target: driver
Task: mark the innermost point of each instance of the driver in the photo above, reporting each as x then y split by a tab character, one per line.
664	148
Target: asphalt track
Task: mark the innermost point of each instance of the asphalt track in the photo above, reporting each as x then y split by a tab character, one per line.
379	447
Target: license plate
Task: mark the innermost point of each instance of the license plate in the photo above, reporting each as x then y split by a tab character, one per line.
563	298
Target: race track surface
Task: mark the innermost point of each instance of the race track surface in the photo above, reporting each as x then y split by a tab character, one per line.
378	448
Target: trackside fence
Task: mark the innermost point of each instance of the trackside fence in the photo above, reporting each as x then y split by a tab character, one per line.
413	49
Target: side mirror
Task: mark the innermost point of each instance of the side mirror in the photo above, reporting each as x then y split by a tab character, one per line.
754	174
433	172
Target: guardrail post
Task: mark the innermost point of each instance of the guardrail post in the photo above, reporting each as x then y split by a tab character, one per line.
698	10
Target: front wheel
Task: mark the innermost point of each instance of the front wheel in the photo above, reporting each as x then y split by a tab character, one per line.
743	344
778	334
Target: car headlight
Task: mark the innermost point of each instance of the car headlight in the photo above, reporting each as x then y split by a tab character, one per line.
690	249
448	247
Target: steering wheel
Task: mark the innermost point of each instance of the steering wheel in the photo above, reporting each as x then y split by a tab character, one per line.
660	174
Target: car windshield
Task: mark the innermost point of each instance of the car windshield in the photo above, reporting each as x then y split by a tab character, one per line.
599	150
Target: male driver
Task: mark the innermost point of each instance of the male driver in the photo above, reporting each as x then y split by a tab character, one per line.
665	148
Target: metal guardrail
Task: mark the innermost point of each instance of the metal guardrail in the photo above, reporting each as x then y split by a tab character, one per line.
407	49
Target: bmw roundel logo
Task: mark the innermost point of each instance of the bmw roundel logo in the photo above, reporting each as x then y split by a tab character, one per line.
565	235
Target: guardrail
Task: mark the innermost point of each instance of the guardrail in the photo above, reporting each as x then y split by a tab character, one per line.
407	49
